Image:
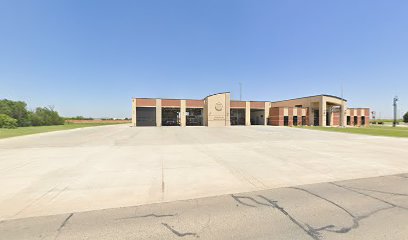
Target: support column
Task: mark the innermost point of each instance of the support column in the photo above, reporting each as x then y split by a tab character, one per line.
182	113
134	112
266	116
342	114
227	109
322	113
247	114
158	113
311	116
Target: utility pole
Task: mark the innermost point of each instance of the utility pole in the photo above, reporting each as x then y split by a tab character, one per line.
394	124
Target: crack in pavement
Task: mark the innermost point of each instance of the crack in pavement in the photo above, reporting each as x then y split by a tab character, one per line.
356	219
151	215
274	204
325	199
378	191
238	199
179	234
367	195
313	232
63	224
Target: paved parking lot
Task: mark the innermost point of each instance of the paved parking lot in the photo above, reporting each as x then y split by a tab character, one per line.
116	166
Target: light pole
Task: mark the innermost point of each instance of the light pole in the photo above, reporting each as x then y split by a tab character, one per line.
394	124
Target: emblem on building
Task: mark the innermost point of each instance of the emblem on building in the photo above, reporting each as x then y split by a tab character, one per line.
218	106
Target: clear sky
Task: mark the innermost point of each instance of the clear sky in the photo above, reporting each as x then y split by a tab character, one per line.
91	57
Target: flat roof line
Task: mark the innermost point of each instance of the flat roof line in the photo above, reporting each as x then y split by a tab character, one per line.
321	95
170	98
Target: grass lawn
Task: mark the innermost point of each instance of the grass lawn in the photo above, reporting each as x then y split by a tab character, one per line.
6	133
372	130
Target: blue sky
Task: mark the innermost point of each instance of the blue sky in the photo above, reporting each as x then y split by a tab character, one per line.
91	57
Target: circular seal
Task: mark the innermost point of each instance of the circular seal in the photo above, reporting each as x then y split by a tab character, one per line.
218	106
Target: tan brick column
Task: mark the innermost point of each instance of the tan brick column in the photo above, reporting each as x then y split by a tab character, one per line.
322	113
134	112
266	116
183	113
227	109
247	114
158	113
342	115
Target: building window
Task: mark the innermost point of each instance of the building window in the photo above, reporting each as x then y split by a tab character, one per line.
348	120
363	120
355	120
285	121
304	121
316	118
295	120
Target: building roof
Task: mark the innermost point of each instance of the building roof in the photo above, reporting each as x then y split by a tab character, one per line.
321	95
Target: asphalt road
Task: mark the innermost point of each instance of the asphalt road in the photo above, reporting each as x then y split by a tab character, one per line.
118	166
371	208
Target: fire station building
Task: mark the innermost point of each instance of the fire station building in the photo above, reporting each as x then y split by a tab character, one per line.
218	110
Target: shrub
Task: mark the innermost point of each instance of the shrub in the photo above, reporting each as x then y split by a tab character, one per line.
405	117
7	121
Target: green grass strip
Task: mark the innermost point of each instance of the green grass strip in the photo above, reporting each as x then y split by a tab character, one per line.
372	130
6	133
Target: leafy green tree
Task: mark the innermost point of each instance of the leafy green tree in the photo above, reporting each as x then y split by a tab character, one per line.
7	121
405	117
46	117
17	110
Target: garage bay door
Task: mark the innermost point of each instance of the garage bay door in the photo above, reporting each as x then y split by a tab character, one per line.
145	116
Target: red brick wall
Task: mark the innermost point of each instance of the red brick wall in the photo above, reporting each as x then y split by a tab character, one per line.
336	118
351	117
145	102
170	102
290	115
307	117
194	103
299	115
367	116
258	105
360	112
237	104
358	117
275	116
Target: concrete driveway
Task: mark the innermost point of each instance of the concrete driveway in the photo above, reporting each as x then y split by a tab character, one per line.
360	209
116	166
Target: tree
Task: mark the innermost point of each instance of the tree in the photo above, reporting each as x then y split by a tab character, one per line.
7	121
405	117
45	117
17	110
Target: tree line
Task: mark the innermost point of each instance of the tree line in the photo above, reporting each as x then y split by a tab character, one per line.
15	114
